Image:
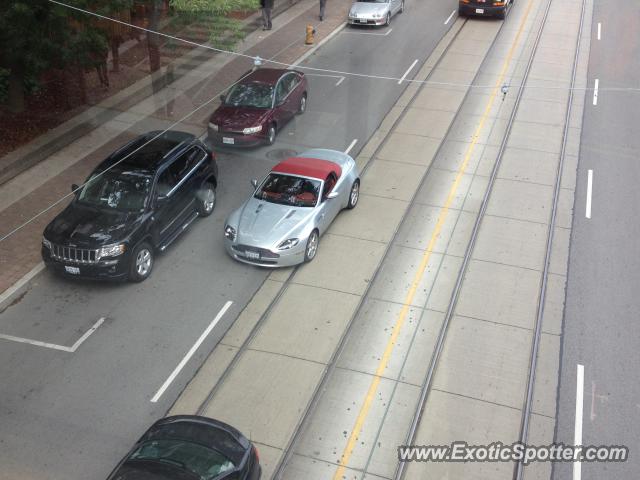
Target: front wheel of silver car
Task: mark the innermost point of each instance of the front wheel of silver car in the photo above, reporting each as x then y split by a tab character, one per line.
388	20
207	200
141	262
354	195
312	246
402	7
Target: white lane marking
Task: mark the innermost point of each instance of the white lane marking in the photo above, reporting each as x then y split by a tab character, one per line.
369	33
355	140
407	72
191	351
589	191
577	438
450	17
595	92
592	415
53	346
339	77
340	81
599	30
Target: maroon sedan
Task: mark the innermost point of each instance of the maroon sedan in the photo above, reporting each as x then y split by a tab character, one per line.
258	106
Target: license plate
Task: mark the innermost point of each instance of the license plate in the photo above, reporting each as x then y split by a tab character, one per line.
362	21
252	255
228	140
72	270
479	10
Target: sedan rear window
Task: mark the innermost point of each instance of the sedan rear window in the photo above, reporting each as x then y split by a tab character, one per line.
254	94
289	190
204	462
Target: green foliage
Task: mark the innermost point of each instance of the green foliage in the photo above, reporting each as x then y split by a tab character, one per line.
224	31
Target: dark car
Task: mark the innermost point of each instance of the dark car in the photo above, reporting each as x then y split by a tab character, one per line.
189	447
133	205
492	8
258	106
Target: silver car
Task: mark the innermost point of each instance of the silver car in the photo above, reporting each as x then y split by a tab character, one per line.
281	224
374	12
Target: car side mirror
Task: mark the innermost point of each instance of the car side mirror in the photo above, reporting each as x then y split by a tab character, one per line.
74	187
331	195
223	98
254	183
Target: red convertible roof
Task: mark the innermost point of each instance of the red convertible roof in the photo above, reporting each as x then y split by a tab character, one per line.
308	167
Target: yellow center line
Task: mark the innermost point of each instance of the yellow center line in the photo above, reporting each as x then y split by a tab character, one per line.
384	361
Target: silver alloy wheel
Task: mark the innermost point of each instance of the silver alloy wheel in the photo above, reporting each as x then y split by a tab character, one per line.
303	104
209	200
271	135
388	19
355	193
312	245
143	262
402	6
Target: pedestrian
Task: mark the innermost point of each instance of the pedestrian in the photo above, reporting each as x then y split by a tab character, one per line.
323	3
267	6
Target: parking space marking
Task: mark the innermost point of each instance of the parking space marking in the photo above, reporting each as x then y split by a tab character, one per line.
339	77
353	144
589	190
191	351
53	346
450	17
407	72
369	33
599	30
340	81
577	438
595	92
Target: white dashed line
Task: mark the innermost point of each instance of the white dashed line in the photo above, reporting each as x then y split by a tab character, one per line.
599	30
577	438
190	353
340	81
589	189
450	17
355	140
369	33
407	72
595	92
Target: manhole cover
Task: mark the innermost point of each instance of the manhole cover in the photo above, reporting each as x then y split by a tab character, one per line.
281	153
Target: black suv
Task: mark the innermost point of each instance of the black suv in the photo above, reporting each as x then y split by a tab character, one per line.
134	204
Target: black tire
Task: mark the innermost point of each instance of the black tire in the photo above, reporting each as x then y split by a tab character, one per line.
310	253
353	201
388	20
303	104
271	134
206	199
137	272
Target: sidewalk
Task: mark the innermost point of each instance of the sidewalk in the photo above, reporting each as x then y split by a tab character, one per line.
39	187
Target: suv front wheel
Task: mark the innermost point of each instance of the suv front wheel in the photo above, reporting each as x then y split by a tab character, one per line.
142	260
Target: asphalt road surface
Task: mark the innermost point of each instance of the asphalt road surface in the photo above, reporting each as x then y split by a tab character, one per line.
74	414
601	329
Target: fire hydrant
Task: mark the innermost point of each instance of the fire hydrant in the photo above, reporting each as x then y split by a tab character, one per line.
310	32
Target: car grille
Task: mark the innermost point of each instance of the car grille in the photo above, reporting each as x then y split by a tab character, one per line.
73	254
264	253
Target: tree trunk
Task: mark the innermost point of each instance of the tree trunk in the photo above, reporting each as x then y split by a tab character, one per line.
152	39
115	53
16	100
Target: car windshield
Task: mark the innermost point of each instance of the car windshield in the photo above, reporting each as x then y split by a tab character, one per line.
254	94
204	462
289	190
117	190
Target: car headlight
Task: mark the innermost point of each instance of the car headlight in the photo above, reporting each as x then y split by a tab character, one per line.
289	243
111	250
213	126
230	232
248	131
46	243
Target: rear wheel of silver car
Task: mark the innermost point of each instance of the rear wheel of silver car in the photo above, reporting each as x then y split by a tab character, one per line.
271	134
141	262
388	21
354	195
303	104
207	200
312	246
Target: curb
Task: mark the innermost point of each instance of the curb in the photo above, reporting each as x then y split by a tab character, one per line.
19	288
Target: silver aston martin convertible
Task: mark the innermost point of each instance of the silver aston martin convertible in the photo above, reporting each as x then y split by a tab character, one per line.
281	224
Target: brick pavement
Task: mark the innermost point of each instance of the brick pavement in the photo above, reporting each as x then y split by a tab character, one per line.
20	253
